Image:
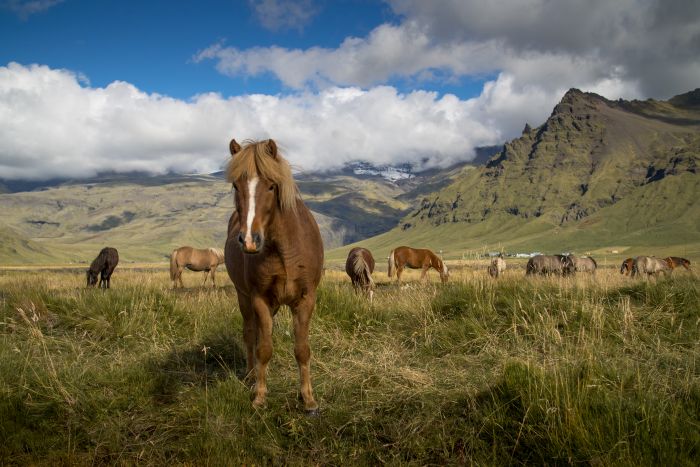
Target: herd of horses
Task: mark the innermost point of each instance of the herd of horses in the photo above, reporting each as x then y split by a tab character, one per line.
274	257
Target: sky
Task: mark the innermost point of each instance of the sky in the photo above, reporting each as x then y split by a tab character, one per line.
119	86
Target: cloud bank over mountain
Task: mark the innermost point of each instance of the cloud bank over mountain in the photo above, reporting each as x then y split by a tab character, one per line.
55	126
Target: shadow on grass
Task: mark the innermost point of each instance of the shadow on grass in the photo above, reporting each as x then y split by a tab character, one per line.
215	358
199	289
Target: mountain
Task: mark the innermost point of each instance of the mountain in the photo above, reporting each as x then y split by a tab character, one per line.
145	217
596	173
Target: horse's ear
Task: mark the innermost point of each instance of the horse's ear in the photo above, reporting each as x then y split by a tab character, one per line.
272	148
234	147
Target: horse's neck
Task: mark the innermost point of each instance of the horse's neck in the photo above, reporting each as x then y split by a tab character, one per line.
287	235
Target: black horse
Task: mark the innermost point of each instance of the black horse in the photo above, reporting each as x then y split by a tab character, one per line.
104	265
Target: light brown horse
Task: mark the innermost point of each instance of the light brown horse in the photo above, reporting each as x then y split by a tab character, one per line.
584	264
497	267
415	258
360	266
650	266
194	259
627	265
274	256
676	262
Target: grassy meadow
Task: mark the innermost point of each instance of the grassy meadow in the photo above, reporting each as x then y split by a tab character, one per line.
602	370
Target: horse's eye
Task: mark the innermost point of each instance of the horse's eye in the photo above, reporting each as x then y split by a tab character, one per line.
272	187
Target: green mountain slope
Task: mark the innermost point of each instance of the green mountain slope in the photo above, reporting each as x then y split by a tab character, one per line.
146	217
597	174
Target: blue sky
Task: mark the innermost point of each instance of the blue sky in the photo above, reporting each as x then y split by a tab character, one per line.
163	86
151	43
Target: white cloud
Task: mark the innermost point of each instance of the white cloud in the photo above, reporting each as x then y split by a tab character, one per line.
646	47
277	15
51	125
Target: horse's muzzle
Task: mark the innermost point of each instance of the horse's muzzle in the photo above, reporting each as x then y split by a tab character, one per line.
250	247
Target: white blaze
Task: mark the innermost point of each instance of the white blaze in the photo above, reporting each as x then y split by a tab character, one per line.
252	183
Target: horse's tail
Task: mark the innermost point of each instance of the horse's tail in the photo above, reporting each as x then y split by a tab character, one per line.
391	264
361	269
219	253
173	264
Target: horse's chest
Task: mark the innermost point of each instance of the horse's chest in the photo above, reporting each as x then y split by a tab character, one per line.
274	282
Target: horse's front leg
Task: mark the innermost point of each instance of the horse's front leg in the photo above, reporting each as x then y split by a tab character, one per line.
206	273
302	351
250	331
263	351
424	272
213	280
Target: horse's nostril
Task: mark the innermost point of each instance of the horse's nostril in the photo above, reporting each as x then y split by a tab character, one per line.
241	238
256	238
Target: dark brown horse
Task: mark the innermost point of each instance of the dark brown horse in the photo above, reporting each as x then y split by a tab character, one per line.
676	262
274	256
413	258
360	266
194	259
103	265
627	266
561	265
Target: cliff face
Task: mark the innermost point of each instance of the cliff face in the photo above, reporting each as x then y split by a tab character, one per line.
589	154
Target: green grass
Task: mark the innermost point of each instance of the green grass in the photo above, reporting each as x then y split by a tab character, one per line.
517	371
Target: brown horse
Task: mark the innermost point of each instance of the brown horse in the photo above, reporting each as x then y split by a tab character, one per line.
627	266
104	265
274	256
413	258
194	259
676	262
360	266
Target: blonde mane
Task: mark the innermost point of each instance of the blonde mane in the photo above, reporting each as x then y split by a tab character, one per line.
255	159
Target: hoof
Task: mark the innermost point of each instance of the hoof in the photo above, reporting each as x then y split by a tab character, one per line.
313	413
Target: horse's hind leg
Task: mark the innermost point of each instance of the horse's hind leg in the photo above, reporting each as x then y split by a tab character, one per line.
302	350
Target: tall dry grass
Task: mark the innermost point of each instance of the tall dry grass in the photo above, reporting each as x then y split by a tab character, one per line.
541	370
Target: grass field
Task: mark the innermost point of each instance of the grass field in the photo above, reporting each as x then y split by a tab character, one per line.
600	370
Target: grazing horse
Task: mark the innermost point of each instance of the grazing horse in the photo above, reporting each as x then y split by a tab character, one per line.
676	262
649	265
561	265
497	267
360	266
627	266
194	259
584	264
274	256
104	265
416	258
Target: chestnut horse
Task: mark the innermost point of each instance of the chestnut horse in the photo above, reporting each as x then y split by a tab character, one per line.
194	259
104	265
627	266
274	256
360	266
676	262
414	258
